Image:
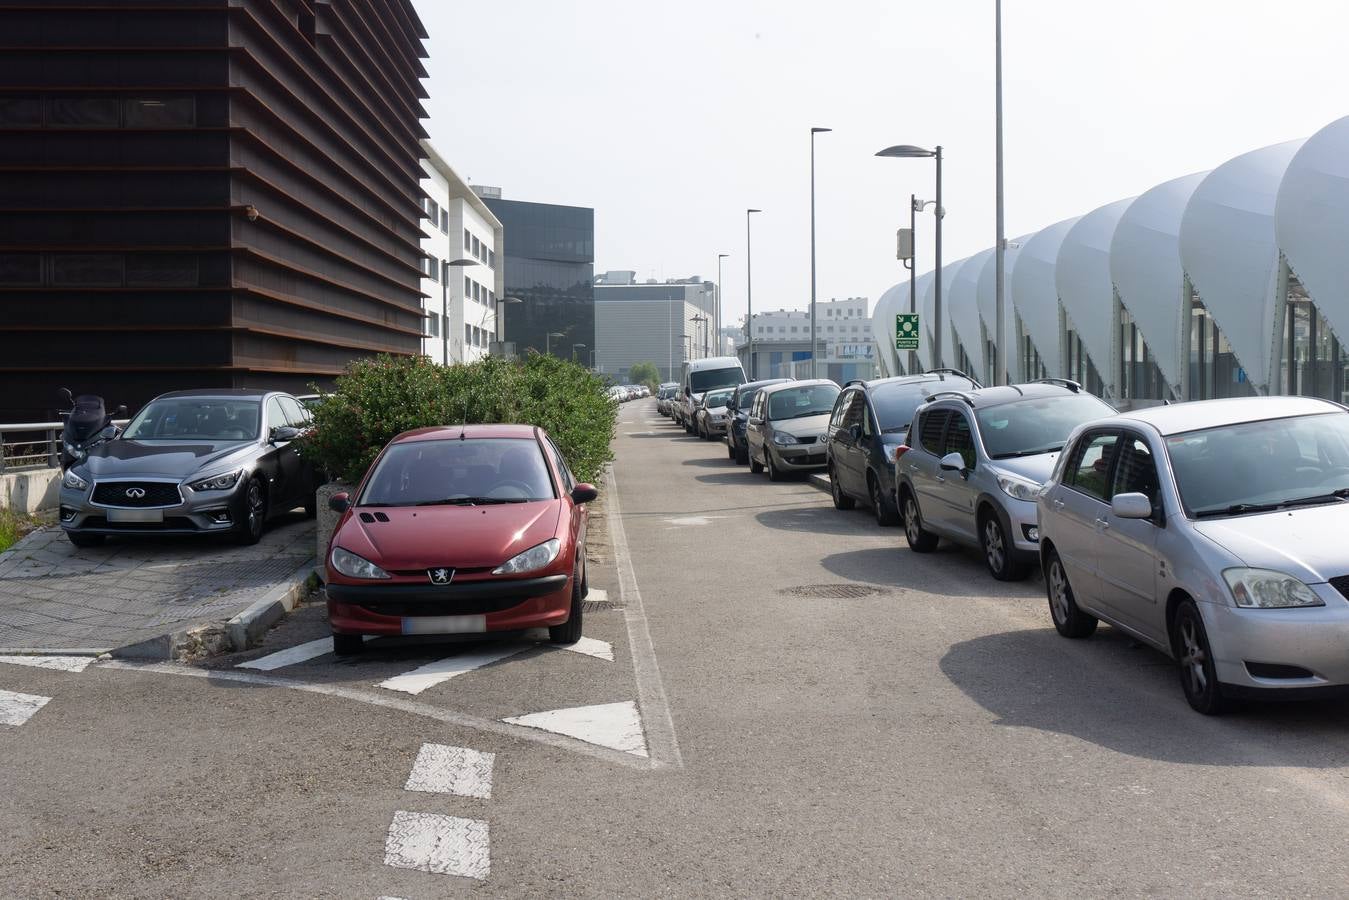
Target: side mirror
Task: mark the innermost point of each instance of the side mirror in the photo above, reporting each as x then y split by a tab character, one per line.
584	493
283	433
120	411
339	502
1131	506
953	462
855	431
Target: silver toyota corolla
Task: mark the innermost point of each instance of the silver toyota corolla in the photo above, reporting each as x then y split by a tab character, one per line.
1213	531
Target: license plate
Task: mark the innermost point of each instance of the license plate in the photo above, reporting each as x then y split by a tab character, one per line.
140	516
444	624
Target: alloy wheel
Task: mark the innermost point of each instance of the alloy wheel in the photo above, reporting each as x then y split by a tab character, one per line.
1058	592
911	526
994	551
1193	657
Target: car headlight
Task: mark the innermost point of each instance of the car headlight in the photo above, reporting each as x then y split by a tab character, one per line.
532	559
781	438
74	482
216	482
1018	488
353	566
1267	589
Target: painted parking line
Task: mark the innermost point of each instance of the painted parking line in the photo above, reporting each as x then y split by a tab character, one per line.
617	726
290	656
434	673
58	663
441	845
16	708
441	769
591	647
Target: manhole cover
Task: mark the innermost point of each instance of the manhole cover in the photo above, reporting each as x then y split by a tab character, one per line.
833	591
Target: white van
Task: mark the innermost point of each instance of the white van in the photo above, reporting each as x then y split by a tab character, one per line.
701	376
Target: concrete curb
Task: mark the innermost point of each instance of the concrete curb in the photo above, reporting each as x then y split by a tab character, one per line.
821	481
237	634
62	651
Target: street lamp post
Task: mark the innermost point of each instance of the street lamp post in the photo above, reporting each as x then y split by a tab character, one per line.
703	320
720	343
908	151
501	319
749	292
573	350
1000	245
814	370
445	303
548	342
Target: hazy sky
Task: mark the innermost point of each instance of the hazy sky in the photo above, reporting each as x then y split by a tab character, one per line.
670	119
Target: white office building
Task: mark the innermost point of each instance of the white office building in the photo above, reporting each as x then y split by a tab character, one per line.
464	272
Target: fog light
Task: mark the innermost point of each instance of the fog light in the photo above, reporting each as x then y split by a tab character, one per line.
1032	533
221	517
67	514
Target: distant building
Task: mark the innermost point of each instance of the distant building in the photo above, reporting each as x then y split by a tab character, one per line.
549	257
463	301
842	332
652	321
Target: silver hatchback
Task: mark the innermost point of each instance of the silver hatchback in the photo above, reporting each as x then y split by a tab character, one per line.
1213	531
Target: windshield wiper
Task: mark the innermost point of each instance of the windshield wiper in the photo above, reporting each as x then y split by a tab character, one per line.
1341	494
814	412
1035	452
472	501
1236	509
895	430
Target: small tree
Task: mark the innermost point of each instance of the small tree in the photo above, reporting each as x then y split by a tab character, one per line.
645	373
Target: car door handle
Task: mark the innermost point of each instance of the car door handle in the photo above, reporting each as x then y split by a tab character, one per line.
941	479
1102	524
1058	504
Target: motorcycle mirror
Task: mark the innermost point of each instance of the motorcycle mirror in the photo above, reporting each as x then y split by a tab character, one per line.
65	392
120	412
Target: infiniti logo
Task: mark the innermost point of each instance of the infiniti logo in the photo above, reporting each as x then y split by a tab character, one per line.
136	493
440	576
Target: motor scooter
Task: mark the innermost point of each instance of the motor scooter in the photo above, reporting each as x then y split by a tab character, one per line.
87	424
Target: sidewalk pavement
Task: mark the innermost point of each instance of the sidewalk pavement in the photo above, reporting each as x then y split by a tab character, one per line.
56	597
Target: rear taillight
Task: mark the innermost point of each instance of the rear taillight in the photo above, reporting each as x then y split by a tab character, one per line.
901	450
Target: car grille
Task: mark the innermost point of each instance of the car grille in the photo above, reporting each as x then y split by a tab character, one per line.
1341	584
152	493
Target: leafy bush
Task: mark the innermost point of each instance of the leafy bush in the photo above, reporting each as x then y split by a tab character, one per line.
380	398
645	373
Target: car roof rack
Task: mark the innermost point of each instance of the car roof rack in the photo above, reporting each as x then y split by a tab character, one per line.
959	395
1074	386
947	370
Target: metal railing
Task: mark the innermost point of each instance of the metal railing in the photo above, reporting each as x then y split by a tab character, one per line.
33	445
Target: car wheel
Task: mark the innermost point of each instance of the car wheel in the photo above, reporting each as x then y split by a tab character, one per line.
569	632
702	433
1069	619
347	644
85	540
730	449
249	528
886	514
1198	675
999	554
774	473
841	500
311	505
755	466
920	539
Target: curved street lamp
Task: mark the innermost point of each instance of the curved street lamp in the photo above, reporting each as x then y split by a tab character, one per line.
909	151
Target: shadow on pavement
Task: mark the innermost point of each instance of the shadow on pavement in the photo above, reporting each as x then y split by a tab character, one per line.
1117	694
814	520
716	462
743	476
950	569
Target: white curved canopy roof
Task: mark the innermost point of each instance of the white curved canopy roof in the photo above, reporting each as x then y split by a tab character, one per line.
895	300
964	307
1228	248
1085	289
1145	266
1311	219
1035	293
988	298
948	280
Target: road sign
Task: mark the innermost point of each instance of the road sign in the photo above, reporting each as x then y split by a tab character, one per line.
906	331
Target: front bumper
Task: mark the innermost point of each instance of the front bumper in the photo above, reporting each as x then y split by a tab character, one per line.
716	428
1314	639
197	513
800	457
497	604
1022	519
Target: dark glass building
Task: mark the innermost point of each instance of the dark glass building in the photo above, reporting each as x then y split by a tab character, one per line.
550	267
205	193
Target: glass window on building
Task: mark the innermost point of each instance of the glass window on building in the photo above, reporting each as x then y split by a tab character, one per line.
433	325
445	221
477	248
80	112
159	112
468	240
1214	370
468	286
1313	362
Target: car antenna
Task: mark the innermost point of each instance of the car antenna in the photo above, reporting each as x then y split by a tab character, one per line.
463	426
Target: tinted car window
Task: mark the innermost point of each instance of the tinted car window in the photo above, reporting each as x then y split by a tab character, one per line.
855	410
568	481
708	379
932	424
800	402
960	440
1136	472
296	415
196	419
429	472
1039	425
894	405
1089	469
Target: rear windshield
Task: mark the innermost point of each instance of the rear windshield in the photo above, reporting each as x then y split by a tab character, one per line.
800	402
504	470
1041	425
709	379
895	403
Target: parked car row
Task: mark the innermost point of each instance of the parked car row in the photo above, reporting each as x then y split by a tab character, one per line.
1208	530
625	392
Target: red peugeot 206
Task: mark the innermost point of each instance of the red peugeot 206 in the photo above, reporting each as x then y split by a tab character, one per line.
460	530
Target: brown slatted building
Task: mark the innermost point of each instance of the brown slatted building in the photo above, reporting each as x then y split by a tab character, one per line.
203	193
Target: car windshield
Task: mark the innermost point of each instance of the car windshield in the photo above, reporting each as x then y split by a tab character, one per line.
895	403
717	398
800	402
197	419
483	470
1257	466
1039	425
710	379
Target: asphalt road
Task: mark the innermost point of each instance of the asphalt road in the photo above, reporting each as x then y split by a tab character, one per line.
822	712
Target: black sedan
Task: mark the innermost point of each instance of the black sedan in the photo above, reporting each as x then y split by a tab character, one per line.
193	462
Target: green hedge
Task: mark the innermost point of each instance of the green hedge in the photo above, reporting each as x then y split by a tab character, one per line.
382	397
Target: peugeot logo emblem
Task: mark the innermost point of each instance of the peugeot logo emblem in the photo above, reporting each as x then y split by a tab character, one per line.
440	576
135	493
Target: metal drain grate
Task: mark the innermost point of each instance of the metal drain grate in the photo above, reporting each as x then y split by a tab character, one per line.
598	601
833	591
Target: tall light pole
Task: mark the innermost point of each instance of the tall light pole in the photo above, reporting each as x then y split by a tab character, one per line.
1000	245
501	319
445	303
749	292
700	318
814	370
720	343
573	350
909	151
548	342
